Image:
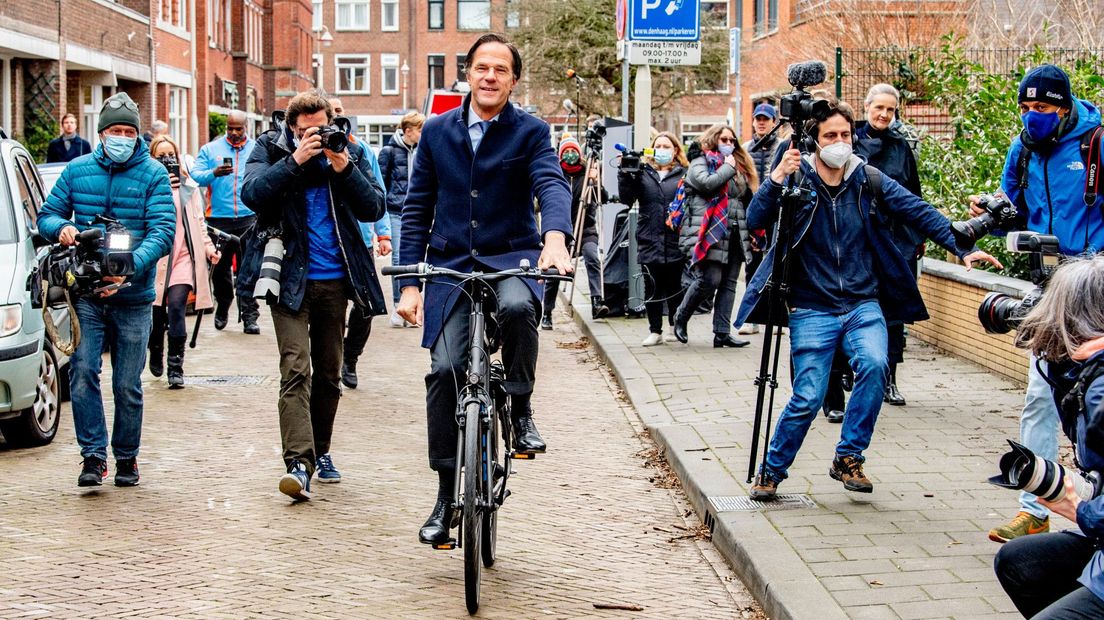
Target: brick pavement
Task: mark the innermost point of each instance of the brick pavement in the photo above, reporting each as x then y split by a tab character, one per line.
207	534
915	548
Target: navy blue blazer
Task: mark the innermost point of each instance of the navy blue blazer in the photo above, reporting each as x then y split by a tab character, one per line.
468	211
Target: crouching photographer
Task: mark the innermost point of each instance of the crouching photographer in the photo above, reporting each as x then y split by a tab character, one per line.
1061	575
303	181
117	181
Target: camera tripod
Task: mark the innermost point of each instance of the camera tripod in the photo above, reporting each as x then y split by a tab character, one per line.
590	198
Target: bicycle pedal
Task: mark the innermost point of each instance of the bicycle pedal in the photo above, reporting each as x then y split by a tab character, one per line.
449	546
523	456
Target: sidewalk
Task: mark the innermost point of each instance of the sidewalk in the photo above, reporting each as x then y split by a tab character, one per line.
915	548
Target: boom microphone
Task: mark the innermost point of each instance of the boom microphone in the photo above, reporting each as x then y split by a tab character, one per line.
805	74
574	76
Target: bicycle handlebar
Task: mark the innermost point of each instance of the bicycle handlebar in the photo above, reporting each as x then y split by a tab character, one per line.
425	271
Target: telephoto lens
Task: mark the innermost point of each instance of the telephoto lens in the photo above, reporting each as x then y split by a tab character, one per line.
268	280
1022	470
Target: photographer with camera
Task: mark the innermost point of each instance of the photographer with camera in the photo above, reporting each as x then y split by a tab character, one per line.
713	234
1046	178
1061	575
304	181
220	168
118	180
183	271
653	187
847	277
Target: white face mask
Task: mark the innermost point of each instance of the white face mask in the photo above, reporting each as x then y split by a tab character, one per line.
835	155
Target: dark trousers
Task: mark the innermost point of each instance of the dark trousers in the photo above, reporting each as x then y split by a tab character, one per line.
517	323
1039	573
713	279
356	334
663	292
222	276
310	369
594	278
170	315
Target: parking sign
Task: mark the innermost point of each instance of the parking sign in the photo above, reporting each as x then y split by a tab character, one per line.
664	20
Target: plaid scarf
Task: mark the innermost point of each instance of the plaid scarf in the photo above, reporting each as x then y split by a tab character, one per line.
677	209
714	228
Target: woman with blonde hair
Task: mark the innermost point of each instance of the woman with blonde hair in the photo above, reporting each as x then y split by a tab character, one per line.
183	271
714	234
661	259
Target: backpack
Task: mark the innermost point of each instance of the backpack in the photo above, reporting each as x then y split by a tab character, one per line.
1090	155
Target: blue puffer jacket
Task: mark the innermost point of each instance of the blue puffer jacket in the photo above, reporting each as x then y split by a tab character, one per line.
137	193
1056	186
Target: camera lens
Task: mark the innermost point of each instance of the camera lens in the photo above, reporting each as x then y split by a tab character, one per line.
967	233
1000	314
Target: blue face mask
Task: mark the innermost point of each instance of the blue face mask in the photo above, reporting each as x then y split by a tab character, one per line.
726	149
119	148
1040	125
663	156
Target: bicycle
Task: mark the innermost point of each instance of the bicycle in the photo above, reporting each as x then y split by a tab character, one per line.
483	473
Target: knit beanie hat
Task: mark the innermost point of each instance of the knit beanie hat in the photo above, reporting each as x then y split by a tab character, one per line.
568	142
119	109
1048	84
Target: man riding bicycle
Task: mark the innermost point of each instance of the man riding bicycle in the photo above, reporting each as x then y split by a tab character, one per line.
469	207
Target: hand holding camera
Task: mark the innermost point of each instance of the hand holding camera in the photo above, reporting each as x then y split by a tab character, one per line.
791	161
310	146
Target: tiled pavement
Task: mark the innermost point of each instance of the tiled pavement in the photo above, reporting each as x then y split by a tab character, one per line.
207	535
915	548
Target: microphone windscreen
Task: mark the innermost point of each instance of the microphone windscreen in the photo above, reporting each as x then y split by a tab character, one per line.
620	147
808	73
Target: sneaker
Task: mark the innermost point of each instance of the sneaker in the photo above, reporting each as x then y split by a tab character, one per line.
396	320
348	374
747	329
652	340
546	322
849	471
325	469
764	489
93	472
126	472
1023	524
296	482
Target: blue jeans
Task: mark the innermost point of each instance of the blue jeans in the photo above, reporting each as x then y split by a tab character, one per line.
1038	428
126	328
396	229
814	336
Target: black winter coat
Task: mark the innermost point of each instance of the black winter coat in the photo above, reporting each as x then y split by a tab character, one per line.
56	152
274	188
394	163
656	242
764	156
590	228
889	152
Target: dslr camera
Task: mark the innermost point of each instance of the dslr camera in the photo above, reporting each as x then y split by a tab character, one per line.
1023	470
81	268
333	138
1000	313
999	213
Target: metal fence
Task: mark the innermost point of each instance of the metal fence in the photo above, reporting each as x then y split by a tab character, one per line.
857	70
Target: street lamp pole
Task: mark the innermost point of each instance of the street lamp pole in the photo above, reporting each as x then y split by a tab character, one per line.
405	70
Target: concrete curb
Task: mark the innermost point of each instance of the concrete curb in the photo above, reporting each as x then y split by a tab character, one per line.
766	563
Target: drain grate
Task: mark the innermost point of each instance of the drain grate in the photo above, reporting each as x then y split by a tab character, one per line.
723	503
225	379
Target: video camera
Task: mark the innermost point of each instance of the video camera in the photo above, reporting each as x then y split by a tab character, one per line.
630	159
81	268
594	136
1000	313
999	213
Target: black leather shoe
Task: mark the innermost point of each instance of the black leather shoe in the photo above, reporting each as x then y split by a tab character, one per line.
546	322
598	309
220	321
680	332
251	327
835	416
526	438
348	374
893	395
726	340
435	531
847	381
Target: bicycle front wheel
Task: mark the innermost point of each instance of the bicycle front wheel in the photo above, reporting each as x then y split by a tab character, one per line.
490	516
472	514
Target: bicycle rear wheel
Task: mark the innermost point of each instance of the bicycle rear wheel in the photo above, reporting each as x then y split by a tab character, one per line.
472	515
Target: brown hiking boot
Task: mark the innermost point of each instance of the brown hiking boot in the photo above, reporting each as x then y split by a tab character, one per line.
849	471
764	489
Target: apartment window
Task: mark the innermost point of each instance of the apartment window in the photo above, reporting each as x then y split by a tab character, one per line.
714	13
513	15
389	74
218	24
766	16
473	14
389	15
254	31
316	15
318	65
436	14
352	15
175	13
377	135
352	74
178	117
461	69
436	71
